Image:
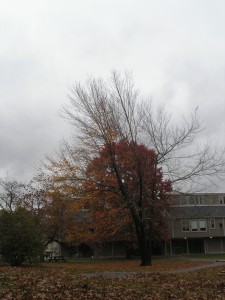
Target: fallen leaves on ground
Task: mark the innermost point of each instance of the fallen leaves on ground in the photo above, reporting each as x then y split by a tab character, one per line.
60	283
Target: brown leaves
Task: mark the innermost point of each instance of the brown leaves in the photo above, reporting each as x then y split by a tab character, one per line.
65	281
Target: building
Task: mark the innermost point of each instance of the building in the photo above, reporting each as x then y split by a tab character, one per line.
196	224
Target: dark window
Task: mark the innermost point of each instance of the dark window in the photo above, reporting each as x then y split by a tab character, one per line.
185	225
212	224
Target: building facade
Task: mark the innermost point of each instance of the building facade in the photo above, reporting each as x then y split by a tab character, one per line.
196	224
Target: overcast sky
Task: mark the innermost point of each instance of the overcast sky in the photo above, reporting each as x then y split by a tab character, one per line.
174	48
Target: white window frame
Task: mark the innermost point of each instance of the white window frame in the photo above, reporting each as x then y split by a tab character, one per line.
194	226
202	228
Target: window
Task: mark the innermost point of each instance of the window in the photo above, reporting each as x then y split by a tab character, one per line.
192	200
185	225
201	200
222	200
194	225
212	224
183	200
202	225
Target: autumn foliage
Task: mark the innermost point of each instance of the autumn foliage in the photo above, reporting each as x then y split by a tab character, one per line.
140	180
120	196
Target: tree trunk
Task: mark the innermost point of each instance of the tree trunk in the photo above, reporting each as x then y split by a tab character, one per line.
144	241
146	255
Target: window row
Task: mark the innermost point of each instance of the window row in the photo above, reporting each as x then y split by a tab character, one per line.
197	225
201	200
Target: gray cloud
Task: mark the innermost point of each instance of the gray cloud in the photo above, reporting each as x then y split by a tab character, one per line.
175	50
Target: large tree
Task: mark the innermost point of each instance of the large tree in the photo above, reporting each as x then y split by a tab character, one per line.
109	215
104	114
127	187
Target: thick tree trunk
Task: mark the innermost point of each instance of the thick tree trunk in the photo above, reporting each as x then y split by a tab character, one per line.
146	257
144	241
145	249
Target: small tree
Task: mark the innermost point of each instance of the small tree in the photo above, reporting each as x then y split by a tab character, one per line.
21	236
60	207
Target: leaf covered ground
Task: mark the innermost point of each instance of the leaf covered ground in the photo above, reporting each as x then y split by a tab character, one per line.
86	280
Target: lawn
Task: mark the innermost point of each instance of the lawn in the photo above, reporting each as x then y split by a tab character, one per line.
124	265
88	280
